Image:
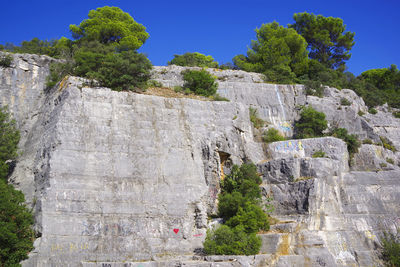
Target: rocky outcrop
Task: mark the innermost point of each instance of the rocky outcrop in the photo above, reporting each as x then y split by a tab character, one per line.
126	179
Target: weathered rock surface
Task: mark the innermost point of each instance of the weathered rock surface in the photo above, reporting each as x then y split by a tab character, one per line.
124	179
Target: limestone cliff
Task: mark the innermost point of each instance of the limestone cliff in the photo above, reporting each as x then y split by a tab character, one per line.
125	179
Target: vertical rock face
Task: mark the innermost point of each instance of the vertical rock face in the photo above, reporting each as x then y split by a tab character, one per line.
124	179
22	89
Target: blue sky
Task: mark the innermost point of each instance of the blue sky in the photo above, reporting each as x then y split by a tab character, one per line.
222	29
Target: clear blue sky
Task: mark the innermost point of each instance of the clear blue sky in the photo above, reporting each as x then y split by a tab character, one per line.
219	28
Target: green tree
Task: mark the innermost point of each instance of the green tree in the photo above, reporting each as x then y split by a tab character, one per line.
388	78
127	70
199	82
311	123
326	37
110	25
105	51
193	60
16	234
280	53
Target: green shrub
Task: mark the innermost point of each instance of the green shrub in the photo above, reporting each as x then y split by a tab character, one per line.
154	83
396	114
351	140
57	72
229	203
313	88
244	180
272	135
389	160
178	89
127	70
367	141
231	241
360	113
255	120
5	60
391	249
239	206
193	60
199	82
319	154
9	138
345	102
251	217
217	97
16	234
372	111
311	123
386	143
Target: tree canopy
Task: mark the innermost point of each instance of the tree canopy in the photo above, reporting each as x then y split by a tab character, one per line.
105	50
278	52
110	25
193	60
326	37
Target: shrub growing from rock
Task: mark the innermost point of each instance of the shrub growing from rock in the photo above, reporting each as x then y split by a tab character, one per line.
319	154
311	123
194	60
255	119
272	135
345	102
5	60
9	138
372	111
16	234
351	139
239	206
391	249
199	82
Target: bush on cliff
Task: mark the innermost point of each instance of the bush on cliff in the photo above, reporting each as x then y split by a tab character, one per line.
311	123
231	241
127	70
5	60
272	135
391	249
9	138
351	140
16	234
199	82
193	60
239	206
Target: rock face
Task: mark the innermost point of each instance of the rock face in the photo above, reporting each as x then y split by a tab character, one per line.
125	179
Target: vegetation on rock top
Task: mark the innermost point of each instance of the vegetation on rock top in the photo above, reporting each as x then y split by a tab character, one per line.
193	60
312	51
